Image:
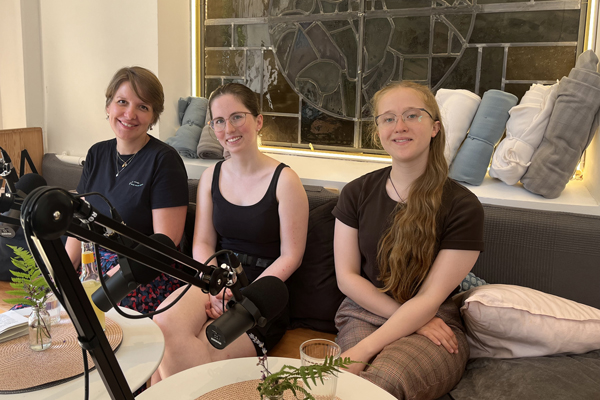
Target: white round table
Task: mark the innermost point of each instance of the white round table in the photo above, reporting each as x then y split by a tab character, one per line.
195	382
140	353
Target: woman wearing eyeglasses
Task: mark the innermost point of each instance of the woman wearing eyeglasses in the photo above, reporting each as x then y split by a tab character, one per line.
250	204
405	237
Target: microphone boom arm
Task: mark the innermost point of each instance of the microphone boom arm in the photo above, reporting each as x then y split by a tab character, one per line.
48	213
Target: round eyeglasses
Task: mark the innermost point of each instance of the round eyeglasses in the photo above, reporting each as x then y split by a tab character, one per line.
236	120
410	116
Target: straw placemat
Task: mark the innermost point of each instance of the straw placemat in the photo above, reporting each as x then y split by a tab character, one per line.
25	370
243	391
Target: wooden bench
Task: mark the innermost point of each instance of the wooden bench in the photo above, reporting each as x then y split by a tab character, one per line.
289	346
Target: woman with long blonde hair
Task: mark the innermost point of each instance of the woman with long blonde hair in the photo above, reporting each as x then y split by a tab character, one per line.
405	237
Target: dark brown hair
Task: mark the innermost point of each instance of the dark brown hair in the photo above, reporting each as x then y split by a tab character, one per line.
407	249
241	92
145	85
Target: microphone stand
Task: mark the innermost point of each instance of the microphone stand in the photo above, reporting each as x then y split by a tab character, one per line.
47	214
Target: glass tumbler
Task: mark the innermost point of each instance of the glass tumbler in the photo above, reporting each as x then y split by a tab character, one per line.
314	352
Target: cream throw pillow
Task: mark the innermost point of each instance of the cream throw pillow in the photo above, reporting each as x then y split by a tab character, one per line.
506	321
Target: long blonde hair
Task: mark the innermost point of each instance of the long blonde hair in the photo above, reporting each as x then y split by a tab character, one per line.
407	248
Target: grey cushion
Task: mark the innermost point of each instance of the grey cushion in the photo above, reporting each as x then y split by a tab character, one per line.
573	377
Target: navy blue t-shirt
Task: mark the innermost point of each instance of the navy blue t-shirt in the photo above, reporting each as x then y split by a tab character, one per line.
155	178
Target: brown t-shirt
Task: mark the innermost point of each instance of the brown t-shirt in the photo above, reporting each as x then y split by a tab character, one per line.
365	205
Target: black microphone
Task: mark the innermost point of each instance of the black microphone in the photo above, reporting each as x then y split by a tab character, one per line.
131	274
24	186
263	300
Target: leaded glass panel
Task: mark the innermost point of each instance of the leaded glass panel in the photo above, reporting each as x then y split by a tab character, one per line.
316	63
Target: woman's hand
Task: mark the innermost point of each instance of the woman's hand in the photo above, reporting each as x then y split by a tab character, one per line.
113	270
356	354
214	306
439	333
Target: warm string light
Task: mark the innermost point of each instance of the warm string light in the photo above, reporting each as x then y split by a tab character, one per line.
326	154
591	28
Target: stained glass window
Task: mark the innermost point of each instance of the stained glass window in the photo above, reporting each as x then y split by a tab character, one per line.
316	63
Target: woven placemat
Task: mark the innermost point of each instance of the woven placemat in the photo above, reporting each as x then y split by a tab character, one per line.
25	370
243	391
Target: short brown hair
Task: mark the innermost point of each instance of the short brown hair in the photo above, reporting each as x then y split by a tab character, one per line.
145	85
241	92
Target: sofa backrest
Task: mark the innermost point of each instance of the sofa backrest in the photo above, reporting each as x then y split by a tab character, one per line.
59	173
554	252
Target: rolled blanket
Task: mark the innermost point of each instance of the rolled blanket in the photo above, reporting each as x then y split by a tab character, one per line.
524	132
473	158
192	113
209	146
458	107
571	128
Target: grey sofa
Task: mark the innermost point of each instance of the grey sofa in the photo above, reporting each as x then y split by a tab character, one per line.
554	252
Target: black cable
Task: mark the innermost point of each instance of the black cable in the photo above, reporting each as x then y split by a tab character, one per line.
86	375
153	313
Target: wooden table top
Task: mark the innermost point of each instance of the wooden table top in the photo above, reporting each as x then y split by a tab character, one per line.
4	286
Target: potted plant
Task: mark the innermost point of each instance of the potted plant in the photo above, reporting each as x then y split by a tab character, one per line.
32	290
296	379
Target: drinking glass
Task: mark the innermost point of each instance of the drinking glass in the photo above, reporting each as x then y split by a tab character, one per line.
314	352
53	308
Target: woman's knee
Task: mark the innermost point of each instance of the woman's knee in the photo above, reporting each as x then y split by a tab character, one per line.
185	318
416	368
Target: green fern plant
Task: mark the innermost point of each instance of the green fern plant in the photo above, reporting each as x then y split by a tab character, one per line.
29	284
290	378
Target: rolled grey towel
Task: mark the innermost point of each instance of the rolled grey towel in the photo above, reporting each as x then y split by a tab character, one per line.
571	128
473	158
192	114
209	146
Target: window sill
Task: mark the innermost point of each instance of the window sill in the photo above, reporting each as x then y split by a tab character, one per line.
336	173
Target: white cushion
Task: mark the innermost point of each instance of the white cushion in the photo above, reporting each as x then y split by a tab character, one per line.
506	321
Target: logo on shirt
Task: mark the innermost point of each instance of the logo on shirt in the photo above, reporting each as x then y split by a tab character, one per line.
136	184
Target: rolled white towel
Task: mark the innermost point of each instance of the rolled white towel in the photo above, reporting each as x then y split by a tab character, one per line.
458	107
524	132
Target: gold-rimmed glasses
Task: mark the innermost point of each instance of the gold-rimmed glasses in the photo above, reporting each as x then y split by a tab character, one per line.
236	120
410	116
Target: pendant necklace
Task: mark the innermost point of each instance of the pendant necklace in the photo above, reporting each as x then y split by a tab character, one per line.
395	190
124	163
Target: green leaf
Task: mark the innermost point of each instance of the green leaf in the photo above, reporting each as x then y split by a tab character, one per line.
21	293
30	284
19	274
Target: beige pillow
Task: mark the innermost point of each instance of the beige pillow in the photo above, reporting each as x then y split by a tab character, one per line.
506	321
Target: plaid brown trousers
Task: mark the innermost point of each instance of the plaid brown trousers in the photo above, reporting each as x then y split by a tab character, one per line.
412	367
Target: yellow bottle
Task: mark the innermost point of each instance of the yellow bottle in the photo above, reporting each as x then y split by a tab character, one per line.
89	277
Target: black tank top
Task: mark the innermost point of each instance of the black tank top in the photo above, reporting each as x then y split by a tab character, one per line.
253	230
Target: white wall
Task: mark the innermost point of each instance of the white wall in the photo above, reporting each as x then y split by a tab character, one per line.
85	42
174	59
32	63
12	87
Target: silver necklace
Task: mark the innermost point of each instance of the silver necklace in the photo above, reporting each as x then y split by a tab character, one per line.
124	163
395	190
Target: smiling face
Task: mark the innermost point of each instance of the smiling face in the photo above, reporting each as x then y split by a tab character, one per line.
235	138
128	115
406	142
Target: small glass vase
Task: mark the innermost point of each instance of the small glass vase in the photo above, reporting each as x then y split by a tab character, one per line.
273	397
39	329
